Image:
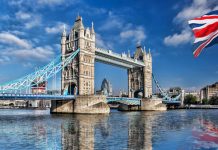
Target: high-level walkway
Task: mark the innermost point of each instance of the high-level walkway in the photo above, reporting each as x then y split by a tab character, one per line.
120	60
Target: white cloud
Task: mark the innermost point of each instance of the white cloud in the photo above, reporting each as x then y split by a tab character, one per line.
195	9
11	39
16	32
57	47
101	43
29	20
4	60
4	17
126	31
176	39
51	2
58	28
34	22
22	15
22	50
27	65
39	54
112	22
137	34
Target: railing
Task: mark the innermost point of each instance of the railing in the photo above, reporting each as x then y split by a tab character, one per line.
11	96
125	100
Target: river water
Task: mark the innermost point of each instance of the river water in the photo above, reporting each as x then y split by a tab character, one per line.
170	130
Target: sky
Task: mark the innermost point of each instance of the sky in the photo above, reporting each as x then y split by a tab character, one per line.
30	33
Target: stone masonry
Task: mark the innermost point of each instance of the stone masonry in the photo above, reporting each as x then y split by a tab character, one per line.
78	76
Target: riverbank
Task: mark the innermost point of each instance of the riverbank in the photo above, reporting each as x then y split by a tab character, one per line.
200	107
27	108
193	107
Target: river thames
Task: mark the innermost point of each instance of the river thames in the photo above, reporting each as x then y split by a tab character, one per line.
169	130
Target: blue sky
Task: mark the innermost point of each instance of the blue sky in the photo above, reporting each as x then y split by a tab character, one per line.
30	37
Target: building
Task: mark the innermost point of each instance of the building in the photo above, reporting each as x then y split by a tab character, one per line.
209	91
174	91
140	78
77	78
194	93
106	88
38	88
123	93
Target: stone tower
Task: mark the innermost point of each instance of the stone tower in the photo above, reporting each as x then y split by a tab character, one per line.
140	78
78	76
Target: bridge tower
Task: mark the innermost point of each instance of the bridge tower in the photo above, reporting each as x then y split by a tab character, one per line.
140	78
78	76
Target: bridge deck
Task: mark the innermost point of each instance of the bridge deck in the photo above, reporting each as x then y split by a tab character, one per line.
121	60
35	97
123	100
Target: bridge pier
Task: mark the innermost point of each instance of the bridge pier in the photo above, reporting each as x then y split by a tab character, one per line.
147	104
84	104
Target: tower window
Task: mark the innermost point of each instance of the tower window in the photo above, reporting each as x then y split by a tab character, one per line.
76	35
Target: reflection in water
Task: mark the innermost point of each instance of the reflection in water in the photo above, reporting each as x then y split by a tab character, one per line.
86	130
205	135
140	131
171	130
80	134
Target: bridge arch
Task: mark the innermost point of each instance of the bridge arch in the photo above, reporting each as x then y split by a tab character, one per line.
138	93
72	89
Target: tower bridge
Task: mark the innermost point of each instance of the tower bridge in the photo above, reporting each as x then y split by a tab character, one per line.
77	65
78	76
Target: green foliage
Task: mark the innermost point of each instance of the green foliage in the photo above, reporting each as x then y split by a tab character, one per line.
205	101
190	99
213	100
11	104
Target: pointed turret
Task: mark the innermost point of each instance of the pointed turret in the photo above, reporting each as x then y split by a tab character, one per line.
149	53
87	32
92	29
78	23
129	53
64	33
138	53
63	41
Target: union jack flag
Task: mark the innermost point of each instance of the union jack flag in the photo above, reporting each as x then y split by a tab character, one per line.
205	29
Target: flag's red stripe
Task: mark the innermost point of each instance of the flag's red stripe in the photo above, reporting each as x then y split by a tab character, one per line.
207	17
206	31
203	45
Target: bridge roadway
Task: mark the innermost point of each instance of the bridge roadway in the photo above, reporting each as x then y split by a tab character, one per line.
120	60
124	100
9	96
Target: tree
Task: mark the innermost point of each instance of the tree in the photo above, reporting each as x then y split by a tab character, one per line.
214	100
11	104
190	99
205	101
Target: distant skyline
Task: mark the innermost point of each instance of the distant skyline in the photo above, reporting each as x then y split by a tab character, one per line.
30	33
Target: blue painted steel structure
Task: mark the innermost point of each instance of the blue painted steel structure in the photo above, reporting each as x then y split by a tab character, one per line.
39	76
50	70
10	96
166	98
125	100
